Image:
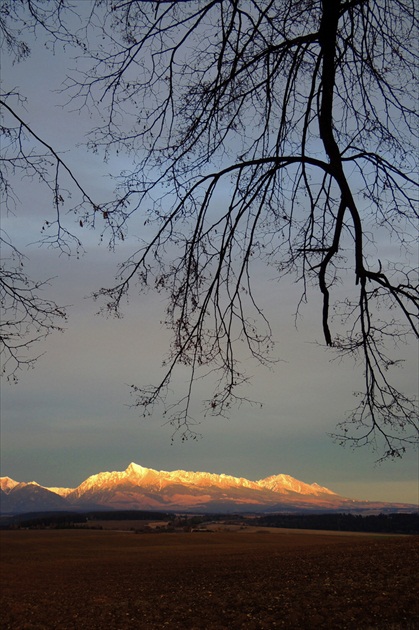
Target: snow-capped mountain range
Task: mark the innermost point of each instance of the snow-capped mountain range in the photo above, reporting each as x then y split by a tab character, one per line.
179	490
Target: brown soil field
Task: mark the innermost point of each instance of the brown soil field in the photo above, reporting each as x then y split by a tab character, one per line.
107	580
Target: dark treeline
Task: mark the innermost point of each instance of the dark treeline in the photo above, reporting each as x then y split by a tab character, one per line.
380	523
76	519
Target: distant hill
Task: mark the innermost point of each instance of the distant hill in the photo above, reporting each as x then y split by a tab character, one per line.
30	497
141	488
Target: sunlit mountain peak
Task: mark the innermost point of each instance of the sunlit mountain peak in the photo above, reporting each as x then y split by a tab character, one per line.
137	470
7	483
284	483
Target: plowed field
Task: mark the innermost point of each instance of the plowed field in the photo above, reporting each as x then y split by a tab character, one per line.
91	580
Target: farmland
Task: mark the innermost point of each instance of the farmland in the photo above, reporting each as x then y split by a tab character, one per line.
293	579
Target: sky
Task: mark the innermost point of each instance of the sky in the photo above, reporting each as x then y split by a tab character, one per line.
71	416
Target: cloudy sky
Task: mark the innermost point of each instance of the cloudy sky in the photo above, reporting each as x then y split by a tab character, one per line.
70	417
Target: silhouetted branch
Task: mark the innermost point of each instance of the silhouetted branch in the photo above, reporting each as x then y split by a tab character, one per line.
283	131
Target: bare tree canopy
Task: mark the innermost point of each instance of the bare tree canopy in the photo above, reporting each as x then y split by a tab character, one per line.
279	130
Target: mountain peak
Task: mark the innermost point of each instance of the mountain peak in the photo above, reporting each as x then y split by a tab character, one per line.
286	483
7	484
137	470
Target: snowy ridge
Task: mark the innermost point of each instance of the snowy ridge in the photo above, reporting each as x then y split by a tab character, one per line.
149	478
157	480
281	483
141	488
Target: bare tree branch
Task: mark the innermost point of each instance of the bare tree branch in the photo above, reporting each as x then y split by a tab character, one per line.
282	131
